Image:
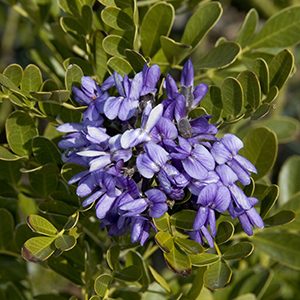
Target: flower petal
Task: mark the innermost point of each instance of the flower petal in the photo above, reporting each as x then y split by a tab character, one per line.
194	168
156	196
207	195
112	106
204	157
158	154
154	116
146	166
227	176
99	163
232	143
103	206
201	218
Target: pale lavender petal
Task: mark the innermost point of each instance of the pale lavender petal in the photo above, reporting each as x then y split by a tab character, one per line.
98	135
118	82
91	153
154	116
157	210
129	137
69	127
112	107
194	168
207	195
223	199
166	128
220	153
158	154
239	197
246	224
245	163
86	186
227	176
204	157
180	108
104	205
78	177
187	75
127	109
255	218
155	196
171	87
91	199
89	85
100	162
136	86
199	93
146	166
242	175
201	218
135	205
208	237
232	143
212	222
137	229
125	155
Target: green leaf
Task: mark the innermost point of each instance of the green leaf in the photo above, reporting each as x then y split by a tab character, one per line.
136	60
225	232
69	170
189	246
238	251
162	223
73	76
45	151
248	28
219	57
260	147
102	284
71	24
204	259
112	257
15	73
100	56
280	68
175	52
45	179
115	45
6	155
232	97
281	246
272	95
197	285
204	18
164	240
281	218
41	225
184	219
119	65
10	171
117	19
261	69
178	261
159	279
6	228
157	21
281	30
268	199
217	275
32	79
246	297
130	274
251	89
20	129
87	17
289	177
38	248
65	242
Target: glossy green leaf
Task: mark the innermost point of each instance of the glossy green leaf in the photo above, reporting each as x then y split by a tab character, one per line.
20	129
189	246
248	28
268	199
260	147
15	73
6	155
41	225
217	275
32	79
281	246
272	95
6	228
251	89
73	76
280	68
281	30
65	242
289	177
232	97
197	285
204	259
119	65
45	151
164	240
38	248
162	223
178	261
246	297
184	219
130	274
112	257
100	56
102	284
71	24
159	279
261	69
158	21
115	45
224	233
238	251
219	57
174	52
198	25
281	218
286	128
293	204
117	18
45	179
136	60
86	19
10	171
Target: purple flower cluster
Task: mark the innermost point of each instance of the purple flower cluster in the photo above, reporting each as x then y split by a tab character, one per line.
142	157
